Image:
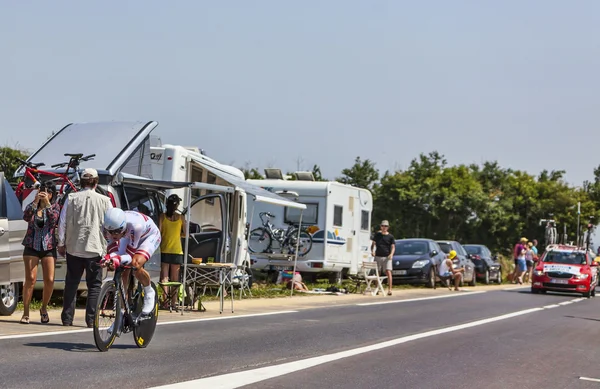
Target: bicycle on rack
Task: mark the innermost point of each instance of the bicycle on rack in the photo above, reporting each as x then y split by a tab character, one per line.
261	238
33	176
125	307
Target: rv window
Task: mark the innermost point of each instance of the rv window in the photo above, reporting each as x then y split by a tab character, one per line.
364	220
196	176
211	179
338	212
143	201
309	216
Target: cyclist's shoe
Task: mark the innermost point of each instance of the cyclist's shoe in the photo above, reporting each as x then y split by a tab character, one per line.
149	296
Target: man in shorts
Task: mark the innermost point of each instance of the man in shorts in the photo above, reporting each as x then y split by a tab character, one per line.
383	248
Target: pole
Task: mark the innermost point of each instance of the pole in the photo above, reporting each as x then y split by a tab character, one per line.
578	217
296	256
188	201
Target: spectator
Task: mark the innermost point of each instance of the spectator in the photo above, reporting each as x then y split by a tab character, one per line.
529	258
80	238
447	269
42	216
383	248
521	265
172	228
516	253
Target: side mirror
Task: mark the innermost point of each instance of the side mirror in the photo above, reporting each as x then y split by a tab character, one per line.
495	258
469	256
434	253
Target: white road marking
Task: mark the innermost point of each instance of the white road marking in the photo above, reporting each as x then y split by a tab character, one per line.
158	324
516	287
551	306
566	302
589	379
236	380
459	294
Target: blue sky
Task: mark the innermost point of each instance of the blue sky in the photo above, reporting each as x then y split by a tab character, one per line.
272	82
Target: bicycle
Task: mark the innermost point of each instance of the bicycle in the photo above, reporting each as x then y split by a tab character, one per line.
125	308
32	177
261	238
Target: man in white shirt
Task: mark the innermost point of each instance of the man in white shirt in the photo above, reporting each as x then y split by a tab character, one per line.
447	270
80	239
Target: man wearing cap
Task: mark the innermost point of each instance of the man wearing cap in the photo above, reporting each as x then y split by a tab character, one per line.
80	238
383	248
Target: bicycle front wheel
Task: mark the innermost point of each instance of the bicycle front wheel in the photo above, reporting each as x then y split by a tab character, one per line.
108	316
144	330
260	240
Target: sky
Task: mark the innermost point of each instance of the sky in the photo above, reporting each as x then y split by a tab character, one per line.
291	84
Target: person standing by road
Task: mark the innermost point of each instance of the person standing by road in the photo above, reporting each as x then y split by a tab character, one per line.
80	238
383	248
172	229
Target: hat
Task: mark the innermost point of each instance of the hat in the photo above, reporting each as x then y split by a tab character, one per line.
385	223
452	254
174	198
89	173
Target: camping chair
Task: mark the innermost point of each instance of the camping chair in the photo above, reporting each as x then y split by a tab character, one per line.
242	280
367	268
444	280
175	290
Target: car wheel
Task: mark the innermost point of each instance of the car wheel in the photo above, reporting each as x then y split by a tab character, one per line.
431	278
486	279
534	291
499	276
543	291
474	279
9	298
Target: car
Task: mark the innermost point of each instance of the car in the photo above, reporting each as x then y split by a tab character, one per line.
487	267
463	259
415	259
566	268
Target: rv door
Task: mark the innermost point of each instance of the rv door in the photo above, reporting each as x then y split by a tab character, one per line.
208	227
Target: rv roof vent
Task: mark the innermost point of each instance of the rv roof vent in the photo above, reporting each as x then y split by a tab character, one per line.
273	174
304	176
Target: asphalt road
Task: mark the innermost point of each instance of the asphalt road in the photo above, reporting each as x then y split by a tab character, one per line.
498	339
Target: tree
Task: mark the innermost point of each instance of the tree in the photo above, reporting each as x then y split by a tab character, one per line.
316	171
8	162
362	174
251	173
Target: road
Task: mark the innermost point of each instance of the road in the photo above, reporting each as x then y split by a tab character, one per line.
496	339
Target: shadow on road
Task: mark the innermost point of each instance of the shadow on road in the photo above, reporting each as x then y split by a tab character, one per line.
75	347
582	318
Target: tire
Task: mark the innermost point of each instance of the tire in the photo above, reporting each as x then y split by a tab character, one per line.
431	278
305	242
259	240
486	279
107	301
499	276
144	331
534	291
9	298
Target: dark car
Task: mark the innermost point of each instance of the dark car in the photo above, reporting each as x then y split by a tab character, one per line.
463	259
487	267
414	259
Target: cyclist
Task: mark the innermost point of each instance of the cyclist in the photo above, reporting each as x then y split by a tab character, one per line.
132	239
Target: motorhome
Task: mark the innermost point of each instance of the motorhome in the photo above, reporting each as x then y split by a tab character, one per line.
213	213
341	212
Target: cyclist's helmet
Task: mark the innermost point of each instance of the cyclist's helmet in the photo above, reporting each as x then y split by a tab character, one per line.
115	221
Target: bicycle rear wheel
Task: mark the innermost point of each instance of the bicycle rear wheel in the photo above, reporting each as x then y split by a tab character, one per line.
144	331
108	316
305	242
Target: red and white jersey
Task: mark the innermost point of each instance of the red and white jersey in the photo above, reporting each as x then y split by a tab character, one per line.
142	237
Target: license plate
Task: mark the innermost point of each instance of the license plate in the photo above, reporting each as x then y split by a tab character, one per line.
398	272
559	280
273	267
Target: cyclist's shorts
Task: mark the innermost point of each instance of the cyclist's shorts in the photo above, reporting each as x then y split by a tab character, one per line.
149	245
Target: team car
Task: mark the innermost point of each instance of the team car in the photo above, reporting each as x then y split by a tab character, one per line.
566	268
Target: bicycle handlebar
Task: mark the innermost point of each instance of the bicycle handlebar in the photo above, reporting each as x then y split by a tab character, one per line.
268	214
29	164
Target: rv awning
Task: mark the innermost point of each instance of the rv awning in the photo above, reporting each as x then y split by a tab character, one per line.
130	179
259	194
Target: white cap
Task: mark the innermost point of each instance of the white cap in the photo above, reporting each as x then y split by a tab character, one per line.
89	173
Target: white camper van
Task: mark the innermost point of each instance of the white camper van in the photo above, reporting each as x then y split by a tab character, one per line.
213	214
341	212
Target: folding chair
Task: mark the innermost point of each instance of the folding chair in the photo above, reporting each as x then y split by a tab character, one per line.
444	280
367	268
175	290
242	280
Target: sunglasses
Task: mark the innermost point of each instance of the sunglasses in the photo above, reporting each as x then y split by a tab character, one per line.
115	232
384	225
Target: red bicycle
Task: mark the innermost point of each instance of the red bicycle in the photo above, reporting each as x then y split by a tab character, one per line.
33	176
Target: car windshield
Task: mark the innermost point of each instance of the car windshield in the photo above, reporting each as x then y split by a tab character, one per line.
571	258
411	247
473	249
445	247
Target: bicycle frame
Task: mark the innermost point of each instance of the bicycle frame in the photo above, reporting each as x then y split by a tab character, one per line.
129	320
274	231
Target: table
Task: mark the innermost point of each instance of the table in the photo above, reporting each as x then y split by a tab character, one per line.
211	274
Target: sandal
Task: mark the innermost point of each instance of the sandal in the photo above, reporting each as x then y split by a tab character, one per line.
389	293
44	317
24	320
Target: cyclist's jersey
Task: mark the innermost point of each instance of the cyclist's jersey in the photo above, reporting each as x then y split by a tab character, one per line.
142	237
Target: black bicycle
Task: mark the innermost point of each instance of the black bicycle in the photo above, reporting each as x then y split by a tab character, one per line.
261	238
120	312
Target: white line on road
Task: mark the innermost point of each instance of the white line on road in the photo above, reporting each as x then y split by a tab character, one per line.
423	298
516	287
589	379
551	306
158	324
566	302
236	380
